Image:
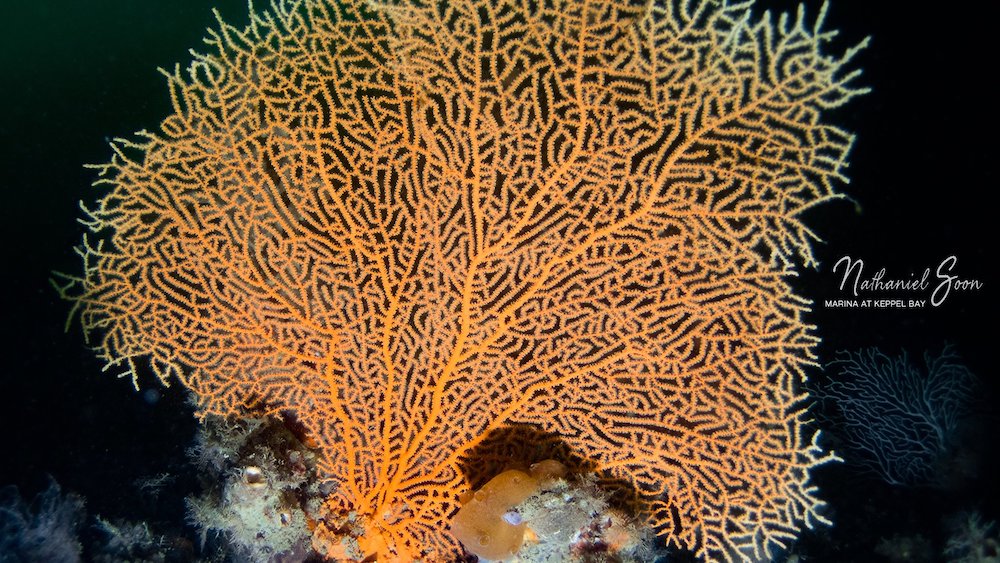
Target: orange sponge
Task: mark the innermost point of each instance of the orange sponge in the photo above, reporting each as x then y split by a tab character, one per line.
480	524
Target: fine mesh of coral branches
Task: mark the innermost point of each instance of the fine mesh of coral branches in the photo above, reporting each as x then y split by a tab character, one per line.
412	224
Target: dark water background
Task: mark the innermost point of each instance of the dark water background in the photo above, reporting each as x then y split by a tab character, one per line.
924	170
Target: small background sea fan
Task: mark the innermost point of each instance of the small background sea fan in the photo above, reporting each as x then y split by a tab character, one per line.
900	421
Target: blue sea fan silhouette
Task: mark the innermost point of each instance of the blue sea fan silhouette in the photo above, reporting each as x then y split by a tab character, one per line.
899	420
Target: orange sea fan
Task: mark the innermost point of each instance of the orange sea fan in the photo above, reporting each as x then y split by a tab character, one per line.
411	224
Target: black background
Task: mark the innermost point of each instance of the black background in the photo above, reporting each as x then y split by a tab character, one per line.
923	172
